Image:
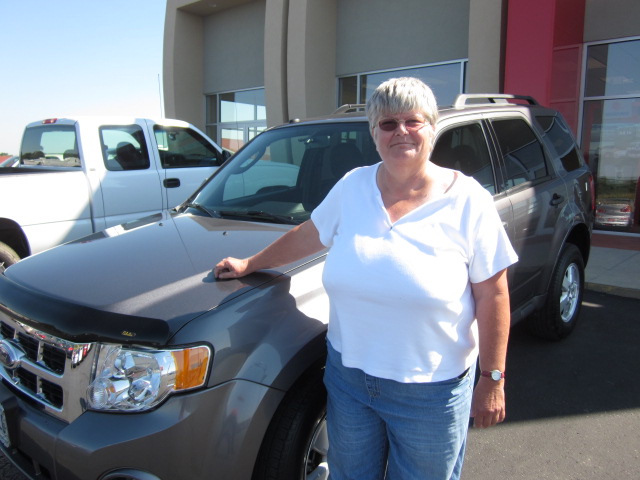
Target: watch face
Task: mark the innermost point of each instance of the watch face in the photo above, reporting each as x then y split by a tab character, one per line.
496	375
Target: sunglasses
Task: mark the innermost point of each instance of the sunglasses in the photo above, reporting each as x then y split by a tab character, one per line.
390	124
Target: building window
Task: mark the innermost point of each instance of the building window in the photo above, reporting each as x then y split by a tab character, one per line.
610	133
445	79
234	118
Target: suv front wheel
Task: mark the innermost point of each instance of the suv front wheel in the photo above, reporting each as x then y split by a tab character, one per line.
296	443
560	313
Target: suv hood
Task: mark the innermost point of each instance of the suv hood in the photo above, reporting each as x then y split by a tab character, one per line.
157	269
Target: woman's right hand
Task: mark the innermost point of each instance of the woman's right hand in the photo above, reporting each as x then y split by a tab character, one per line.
231	268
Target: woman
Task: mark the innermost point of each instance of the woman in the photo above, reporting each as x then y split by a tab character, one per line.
416	276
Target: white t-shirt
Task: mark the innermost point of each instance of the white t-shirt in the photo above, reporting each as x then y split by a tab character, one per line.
400	293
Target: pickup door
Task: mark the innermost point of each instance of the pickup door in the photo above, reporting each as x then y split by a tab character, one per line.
186	159
151	167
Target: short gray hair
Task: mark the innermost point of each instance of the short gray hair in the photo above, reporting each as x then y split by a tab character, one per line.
402	95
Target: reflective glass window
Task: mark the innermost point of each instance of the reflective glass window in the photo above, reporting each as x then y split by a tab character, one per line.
234	118
446	81
613	69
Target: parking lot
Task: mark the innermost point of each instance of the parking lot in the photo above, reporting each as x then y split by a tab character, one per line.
573	409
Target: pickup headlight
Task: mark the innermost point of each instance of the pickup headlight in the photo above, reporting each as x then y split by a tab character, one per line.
134	380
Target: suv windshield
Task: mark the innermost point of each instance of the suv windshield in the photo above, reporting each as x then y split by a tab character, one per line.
284	173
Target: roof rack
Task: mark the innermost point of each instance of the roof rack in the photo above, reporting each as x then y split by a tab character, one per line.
490	98
350	107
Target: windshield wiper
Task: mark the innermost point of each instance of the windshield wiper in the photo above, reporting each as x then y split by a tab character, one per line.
202	208
258	215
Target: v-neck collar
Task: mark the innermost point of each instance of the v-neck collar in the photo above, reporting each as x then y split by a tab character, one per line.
418	208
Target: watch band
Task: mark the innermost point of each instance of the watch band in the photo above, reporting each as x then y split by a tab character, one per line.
493	374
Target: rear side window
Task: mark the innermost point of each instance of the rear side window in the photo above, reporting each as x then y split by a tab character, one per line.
464	148
184	148
522	152
560	141
124	147
50	146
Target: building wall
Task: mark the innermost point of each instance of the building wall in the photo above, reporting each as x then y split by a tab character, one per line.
183	66
311	59
609	19
378	34
487	38
234	61
297	49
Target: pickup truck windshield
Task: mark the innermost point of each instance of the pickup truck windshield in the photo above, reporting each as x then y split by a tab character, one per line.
285	173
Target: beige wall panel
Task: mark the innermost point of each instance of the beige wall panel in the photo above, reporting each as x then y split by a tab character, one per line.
487	32
607	19
311	58
381	34
275	68
182	67
234	48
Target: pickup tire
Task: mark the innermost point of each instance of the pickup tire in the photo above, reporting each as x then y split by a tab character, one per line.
295	446
8	256
560	313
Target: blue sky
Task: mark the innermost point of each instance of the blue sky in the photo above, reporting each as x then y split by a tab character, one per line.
82	57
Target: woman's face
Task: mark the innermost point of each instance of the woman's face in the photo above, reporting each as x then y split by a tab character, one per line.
402	138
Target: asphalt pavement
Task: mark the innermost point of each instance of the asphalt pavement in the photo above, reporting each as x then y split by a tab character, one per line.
573	407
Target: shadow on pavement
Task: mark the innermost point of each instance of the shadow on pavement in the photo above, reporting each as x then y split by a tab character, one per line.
592	371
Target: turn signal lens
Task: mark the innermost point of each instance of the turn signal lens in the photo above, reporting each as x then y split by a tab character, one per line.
191	367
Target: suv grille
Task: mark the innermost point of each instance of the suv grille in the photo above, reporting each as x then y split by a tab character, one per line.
48	369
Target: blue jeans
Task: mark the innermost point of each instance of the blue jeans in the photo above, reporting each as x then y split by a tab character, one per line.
381	428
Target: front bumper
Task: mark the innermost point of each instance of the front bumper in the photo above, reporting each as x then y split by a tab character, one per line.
213	433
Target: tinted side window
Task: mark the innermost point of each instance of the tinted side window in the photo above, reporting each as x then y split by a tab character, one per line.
522	152
183	147
124	147
464	148
560	141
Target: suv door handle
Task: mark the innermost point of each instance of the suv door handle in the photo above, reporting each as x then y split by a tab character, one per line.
171	182
556	200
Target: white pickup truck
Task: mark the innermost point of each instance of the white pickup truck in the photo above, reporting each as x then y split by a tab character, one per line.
79	176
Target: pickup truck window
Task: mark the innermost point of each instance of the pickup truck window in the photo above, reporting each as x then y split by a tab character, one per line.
183	147
50	146
524	158
124	147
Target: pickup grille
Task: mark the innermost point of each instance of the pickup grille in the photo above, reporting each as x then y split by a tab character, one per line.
50	370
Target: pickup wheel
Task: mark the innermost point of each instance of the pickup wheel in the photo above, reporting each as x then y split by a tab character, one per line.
7	256
560	313
295	446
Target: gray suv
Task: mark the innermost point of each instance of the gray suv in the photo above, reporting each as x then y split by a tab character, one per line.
122	357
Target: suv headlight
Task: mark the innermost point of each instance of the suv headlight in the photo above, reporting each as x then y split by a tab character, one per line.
133	380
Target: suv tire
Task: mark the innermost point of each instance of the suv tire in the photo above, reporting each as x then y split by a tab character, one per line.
295	446
560	313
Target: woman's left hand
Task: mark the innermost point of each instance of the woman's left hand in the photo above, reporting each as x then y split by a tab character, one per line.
488	404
